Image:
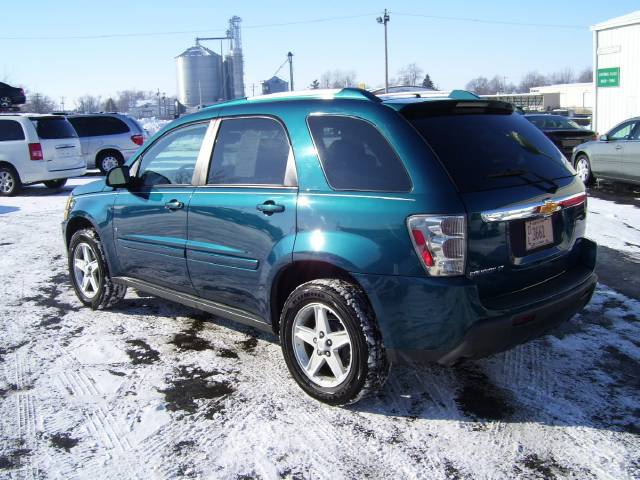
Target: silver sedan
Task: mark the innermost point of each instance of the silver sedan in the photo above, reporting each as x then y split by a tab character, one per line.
614	156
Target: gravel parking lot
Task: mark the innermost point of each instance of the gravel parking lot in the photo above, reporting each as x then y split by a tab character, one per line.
156	390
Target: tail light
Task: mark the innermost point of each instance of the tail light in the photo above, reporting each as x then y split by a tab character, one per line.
441	243
573	200
35	151
137	139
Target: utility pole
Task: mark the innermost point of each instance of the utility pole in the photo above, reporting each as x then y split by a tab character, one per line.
290	56
62	103
384	19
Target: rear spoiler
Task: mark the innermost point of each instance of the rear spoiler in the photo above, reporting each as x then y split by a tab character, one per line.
456	107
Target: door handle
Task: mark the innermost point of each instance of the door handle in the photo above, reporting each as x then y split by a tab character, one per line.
618	147
174	205
270	207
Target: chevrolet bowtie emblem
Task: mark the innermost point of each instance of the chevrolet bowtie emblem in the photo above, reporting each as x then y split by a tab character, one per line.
548	208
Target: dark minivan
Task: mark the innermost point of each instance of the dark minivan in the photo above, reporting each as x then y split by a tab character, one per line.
361	230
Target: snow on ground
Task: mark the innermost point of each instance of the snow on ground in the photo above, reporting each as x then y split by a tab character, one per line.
153	124
614	225
156	390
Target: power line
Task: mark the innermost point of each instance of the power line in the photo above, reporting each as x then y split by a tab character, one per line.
490	21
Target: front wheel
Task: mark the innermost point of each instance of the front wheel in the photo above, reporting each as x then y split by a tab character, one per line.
10	184
331	343
55	184
89	272
583	169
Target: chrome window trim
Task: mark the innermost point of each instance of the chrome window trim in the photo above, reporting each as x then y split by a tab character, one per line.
527	210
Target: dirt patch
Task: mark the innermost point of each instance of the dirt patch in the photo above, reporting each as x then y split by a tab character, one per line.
13	459
142	353
116	373
192	383
63	441
547	468
10	349
249	344
479	398
183	445
189	339
47	298
227	353
451	472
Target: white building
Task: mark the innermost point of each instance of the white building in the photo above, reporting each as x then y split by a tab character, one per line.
574	96
616	66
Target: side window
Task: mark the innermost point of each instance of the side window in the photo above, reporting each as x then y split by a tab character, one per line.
622	132
172	159
635	135
10	130
81	126
109	126
249	151
355	155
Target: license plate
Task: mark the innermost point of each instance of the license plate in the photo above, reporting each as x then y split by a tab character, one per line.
538	232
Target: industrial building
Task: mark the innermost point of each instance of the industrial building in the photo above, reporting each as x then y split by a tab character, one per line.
616	66
274	85
570	96
206	77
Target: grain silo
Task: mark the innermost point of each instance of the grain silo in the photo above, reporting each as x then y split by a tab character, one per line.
199	76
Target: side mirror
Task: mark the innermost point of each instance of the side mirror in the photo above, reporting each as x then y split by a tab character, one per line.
604	138
119	177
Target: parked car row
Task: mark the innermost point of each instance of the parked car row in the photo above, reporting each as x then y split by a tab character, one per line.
360	230
51	148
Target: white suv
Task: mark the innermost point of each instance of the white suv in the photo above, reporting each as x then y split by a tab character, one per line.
37	148
107	139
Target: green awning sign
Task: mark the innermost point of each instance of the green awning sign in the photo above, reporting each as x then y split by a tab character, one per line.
608	77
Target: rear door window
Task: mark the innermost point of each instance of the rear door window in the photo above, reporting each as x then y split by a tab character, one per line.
250	151
10	130
51	128
355	155
487	147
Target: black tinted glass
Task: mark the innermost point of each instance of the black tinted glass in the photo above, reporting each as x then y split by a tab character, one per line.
53	128
250	151
98	125
489	150
355	156
172	159
10	130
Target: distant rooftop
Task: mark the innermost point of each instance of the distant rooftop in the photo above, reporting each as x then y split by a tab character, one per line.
197	51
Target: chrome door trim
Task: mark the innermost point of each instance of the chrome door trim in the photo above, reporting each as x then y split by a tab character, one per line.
529	210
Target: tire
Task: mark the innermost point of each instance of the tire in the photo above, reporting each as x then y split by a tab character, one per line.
105	161
55	184
5	102
100	292
10	183
347	313
583	169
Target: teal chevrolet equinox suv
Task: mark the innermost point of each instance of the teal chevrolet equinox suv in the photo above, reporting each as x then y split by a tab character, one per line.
361	230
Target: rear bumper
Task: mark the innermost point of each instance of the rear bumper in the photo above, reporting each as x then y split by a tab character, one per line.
427	319
45	175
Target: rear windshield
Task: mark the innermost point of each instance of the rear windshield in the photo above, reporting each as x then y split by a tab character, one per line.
484	149
554	122
53	128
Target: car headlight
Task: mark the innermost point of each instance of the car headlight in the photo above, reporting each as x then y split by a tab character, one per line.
69	206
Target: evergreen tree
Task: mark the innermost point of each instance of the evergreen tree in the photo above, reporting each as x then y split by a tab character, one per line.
110	105
428	83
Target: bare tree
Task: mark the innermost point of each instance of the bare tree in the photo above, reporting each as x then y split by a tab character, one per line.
338	79
565	75
126	99
530	80
110	105
39	103
314	85
410	74
586	75
479	85
88	103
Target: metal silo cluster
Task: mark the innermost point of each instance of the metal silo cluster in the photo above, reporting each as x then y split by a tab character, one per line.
205	77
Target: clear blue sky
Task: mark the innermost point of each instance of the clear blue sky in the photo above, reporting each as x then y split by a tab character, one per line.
452	51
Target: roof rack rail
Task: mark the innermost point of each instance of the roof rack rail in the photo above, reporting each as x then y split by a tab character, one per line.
451	94
321	93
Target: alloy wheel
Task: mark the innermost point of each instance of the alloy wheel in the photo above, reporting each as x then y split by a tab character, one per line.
322	345
5	102
109	162
7	182
582	169
86	270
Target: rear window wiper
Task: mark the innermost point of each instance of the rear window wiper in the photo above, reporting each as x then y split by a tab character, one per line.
522	175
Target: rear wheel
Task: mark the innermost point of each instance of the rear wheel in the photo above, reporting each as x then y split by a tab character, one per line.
89	272
10	184
55	184
5	102
331	343
108	160
583	169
